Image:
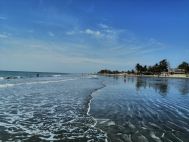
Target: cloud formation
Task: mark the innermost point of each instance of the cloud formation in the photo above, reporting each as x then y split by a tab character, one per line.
3	35
61	36
3	18
92	48
92	32
51	34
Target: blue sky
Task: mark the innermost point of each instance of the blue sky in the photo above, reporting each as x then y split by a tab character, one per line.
88	35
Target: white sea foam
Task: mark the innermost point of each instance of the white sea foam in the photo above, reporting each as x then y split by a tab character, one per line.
57	75
35	82
2	78
17	77
93	76
157	139
48	111
46	82
6	85
95	119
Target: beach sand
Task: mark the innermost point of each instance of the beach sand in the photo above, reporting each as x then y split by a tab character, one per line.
161	76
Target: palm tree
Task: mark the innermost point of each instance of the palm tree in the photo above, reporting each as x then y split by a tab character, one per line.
184	66
138	68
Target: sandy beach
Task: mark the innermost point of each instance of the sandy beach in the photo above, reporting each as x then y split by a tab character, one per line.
161	76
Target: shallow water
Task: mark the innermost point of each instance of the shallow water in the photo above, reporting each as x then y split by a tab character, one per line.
143	109
48	109
77	108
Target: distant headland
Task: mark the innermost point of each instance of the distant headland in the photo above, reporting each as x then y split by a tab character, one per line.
161	69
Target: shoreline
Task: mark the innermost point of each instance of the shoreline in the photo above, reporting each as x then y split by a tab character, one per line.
89	108
179	76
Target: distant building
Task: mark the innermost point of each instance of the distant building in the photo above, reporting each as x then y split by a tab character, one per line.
164	73
176	71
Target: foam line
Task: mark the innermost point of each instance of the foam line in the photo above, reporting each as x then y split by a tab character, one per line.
31	83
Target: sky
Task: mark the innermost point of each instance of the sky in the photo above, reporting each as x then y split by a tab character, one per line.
88	35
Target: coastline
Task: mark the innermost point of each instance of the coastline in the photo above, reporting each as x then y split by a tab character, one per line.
90	97
138	110
180	76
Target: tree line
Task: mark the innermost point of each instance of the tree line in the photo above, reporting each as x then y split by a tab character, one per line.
158	68
184	66
106	71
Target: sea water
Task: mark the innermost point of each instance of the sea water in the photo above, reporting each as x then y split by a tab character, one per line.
51	107
88	108
143	109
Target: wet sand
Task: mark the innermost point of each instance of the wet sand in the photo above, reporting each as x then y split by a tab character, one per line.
143	109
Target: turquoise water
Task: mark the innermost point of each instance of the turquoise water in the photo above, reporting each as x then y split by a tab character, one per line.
89	108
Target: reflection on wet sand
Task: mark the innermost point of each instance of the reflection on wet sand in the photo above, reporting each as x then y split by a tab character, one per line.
143	109
184	87
159	85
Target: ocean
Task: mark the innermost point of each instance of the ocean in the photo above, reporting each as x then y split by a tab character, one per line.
90	108
142	109
47	107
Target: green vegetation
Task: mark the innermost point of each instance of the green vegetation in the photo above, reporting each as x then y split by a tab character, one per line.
184	66
158	68
105	71
162	67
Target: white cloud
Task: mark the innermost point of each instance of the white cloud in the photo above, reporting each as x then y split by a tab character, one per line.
30	31
110	47
105	32
104	26
92	32
51	34
118	42
70	33
95	33
3	36
3	18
